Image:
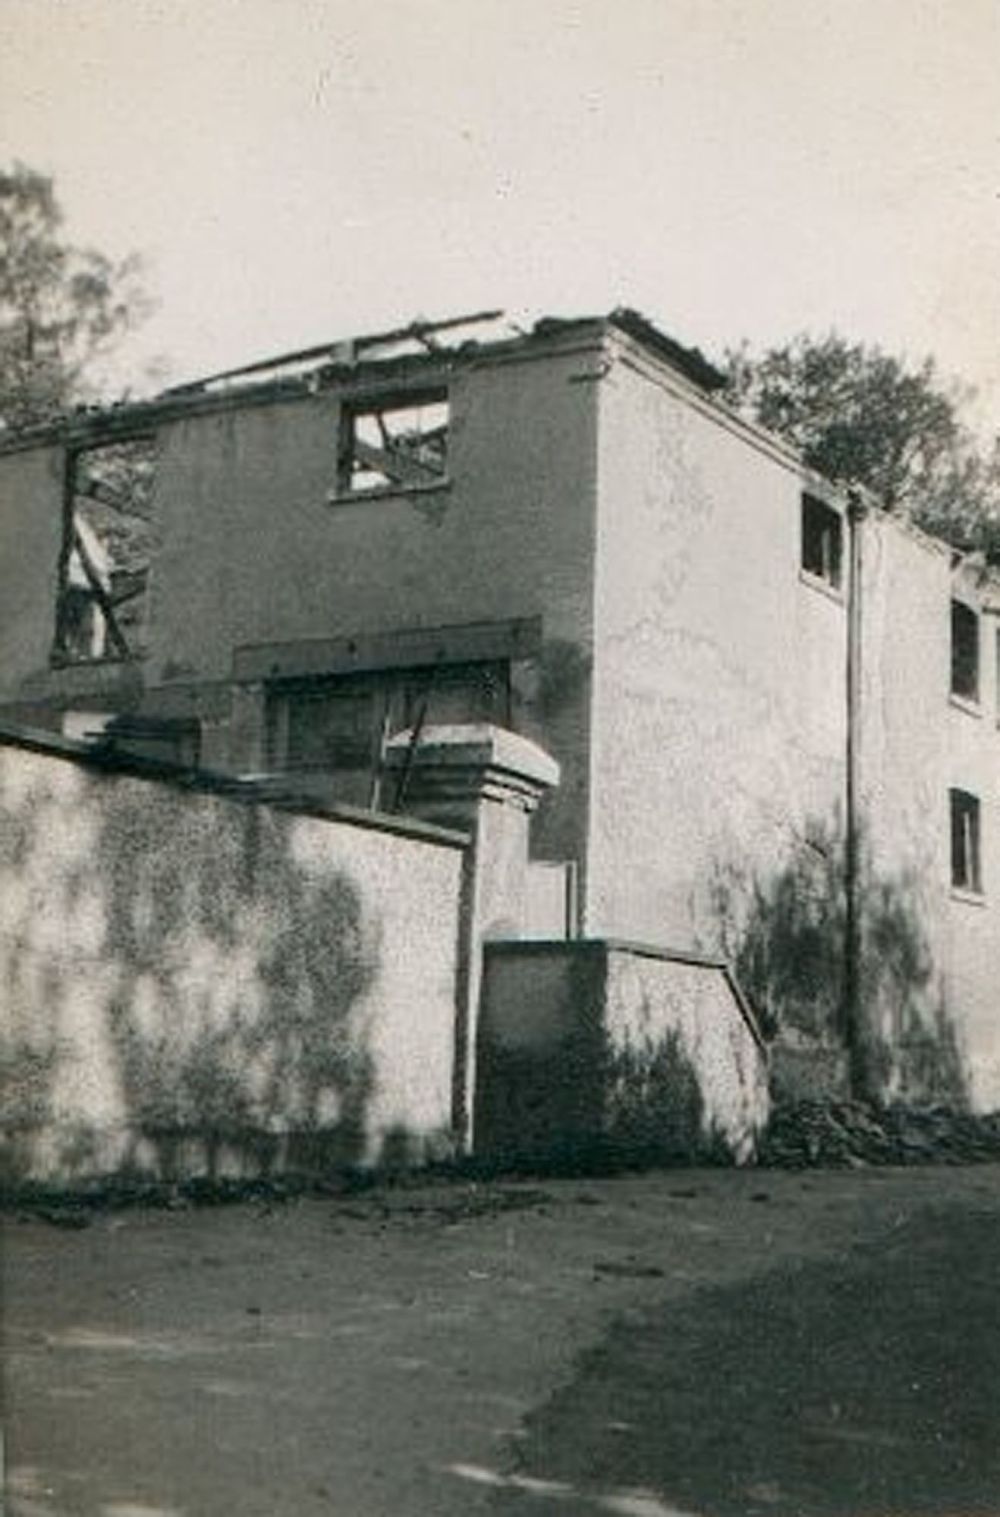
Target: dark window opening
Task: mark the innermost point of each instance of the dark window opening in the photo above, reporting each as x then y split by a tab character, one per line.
331	732
401	444
965	858
964	651
329	729
167	740
822	541
109	538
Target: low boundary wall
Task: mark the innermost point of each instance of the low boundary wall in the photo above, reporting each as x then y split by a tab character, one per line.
618	1051
197	982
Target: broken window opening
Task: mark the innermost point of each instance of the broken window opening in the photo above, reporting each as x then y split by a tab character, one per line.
964	651
401	444
822	541
109	540
966	872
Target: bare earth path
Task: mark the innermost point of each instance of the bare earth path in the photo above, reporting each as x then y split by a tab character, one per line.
705	1342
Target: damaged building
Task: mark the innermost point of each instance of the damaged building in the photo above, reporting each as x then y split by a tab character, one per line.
774	707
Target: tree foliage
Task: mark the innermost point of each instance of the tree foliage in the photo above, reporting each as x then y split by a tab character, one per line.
860	416
62	308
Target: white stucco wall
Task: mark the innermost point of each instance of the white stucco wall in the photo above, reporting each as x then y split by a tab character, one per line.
252	552
915	744
651	1001
719	696
182	968
31	530
602	1049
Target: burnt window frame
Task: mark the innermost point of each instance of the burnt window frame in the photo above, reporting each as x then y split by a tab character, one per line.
98	595
417	473
966	652
821	526
965	820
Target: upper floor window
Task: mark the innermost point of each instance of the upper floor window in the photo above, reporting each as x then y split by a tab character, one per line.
822	541
966	872
964	651
109	539
395	444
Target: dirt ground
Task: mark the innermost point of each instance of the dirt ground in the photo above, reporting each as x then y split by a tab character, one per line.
704	1342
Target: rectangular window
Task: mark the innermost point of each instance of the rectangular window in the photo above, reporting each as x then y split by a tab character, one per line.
330	731
965	864
964	651
108	543
822	541
400	444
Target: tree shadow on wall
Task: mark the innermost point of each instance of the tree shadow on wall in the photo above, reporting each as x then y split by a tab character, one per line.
29	1043
786	936
238	971
579	1098
654	1107
177	970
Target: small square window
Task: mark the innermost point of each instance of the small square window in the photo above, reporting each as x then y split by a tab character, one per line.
401	444
822	541
964	651
965	859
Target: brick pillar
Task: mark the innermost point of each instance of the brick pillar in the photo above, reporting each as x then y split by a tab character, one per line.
485	781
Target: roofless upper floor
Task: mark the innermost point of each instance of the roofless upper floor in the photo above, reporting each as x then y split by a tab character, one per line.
422	351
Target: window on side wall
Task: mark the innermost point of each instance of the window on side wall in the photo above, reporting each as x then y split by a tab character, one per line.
109	539
966	871
964	651
822	541
397	444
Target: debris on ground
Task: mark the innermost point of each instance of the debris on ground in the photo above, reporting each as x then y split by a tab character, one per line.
409	1198
853	1134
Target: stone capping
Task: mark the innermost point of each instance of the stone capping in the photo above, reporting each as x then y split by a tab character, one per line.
642	951
476	748
255	790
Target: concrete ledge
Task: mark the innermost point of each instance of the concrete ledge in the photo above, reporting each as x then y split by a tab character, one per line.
458	775
521	946
474	746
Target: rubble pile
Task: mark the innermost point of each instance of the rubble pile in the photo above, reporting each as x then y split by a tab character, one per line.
851	1134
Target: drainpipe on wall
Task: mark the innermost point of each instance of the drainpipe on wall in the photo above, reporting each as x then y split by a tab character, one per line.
853	1013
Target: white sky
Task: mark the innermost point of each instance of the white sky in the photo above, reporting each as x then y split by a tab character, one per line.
297	170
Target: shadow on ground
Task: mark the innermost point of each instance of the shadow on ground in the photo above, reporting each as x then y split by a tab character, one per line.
861	1386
